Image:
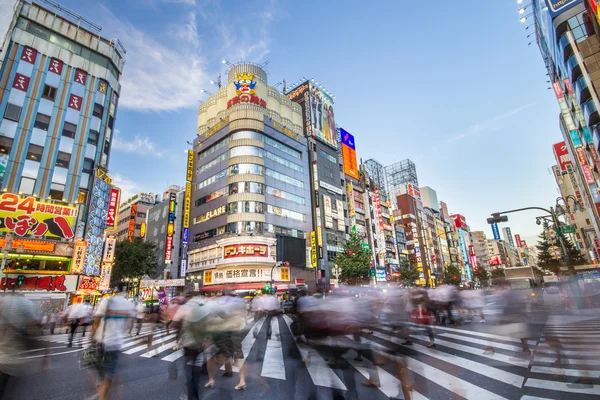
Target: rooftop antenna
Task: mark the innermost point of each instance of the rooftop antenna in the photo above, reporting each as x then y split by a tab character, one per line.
284	86
264	64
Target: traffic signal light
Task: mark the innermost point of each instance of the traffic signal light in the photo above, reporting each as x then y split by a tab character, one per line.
20	280
497	218
267	287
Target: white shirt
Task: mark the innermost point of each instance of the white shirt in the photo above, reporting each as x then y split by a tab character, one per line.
114	324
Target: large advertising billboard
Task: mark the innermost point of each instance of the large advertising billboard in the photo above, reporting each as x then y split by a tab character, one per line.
96	223
113	209
29	216
349	154
557	7
317	109
170	229
562	155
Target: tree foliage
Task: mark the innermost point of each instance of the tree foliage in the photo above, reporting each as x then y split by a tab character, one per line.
354	262
134	260
498	273
481	274
408	273
546	258
452	275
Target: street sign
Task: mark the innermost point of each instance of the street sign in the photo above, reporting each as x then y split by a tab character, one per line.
568	229
366	246
388	277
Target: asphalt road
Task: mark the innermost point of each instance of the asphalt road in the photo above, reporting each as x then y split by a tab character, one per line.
457	368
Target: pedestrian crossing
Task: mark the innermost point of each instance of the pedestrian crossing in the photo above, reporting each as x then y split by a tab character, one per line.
459	366
567	360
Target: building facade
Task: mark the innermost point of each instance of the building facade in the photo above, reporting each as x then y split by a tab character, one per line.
479	242
133	213
59	91
251	192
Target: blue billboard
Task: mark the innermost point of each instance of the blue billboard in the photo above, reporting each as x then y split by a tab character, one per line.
495	231
557	7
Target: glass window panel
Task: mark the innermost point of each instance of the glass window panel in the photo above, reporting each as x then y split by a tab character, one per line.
66	144
27	185
38	137
60	175
42	121
8	128
12	112
31	168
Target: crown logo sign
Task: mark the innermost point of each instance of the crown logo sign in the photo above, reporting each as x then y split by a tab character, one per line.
245	84
245	77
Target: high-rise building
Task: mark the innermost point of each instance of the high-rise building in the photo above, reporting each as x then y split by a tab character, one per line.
327	173
164	228
59	89
251	186
429	198
497	254
410	215
376	171
479	241
132	214
567	35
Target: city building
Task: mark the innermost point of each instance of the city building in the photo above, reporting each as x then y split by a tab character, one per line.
464	246
401	177
251	192
497	254
168	240
327	172
410	215
429	198
132	214
479	242
376	171
573	210
568	40
58	101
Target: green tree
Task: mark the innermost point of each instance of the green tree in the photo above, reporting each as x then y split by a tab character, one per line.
546	258
408	273
133	260
452	275
575	256
497	273
481	275
354	262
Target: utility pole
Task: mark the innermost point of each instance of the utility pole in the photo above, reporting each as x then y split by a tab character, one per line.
7	246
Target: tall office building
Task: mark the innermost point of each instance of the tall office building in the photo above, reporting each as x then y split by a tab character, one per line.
59	89
133	212
567	35
376	172
250	187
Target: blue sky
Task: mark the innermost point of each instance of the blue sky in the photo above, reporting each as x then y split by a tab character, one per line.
453	86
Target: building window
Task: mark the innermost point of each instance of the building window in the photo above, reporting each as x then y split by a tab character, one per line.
93	137
98	110
57	191
49	93
13	112
63	159
88	166
69	130
42	122
27	185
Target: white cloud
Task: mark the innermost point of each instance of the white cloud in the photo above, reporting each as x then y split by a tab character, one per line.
487	124
128	186
139	145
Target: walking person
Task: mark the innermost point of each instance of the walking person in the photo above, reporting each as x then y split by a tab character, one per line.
74	317
109	328
52	319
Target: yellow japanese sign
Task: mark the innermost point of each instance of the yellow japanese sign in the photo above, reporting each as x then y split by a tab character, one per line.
208	277
78	257
285	274
187	205
313	249
245	250
190	166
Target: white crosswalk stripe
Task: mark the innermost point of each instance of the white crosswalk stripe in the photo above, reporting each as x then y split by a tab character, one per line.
566	360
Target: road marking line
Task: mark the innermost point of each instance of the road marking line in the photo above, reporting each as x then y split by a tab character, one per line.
273	364
581	373
548	349
145	346
483	342
562	387
478	352
571	361
486	370
472	333
320	373
449	382
173	356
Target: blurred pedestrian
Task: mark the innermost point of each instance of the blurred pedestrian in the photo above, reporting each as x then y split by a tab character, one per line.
76	315
52	320
109	328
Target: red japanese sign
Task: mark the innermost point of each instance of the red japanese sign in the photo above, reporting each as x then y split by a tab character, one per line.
55	66
169	250
569	86
80	76
557	90
29	54
518	240
88	283
246	99
245	250
49	283
75	102
21	82
27	216
583	161
113	203
562	155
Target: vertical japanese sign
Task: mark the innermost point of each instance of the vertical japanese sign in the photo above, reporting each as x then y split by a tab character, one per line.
105	276
317	209
496	231
131	230
518	240
190	166
109	250
350	193
21	82
112	214
96	222
562	155
78	257
29	54
170	229
313	249
583	161
349	154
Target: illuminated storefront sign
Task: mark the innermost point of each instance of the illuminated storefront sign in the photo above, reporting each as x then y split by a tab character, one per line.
78	257
286	131
143	230
583	161
562	155
187	205
26	215
131	230
170	229
190	166
31	245
318	209
91	283
242	275
245	250
313	249
350	193
113	213
96	221
109	250
557	7
48	283
146	283
105	273
349	154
